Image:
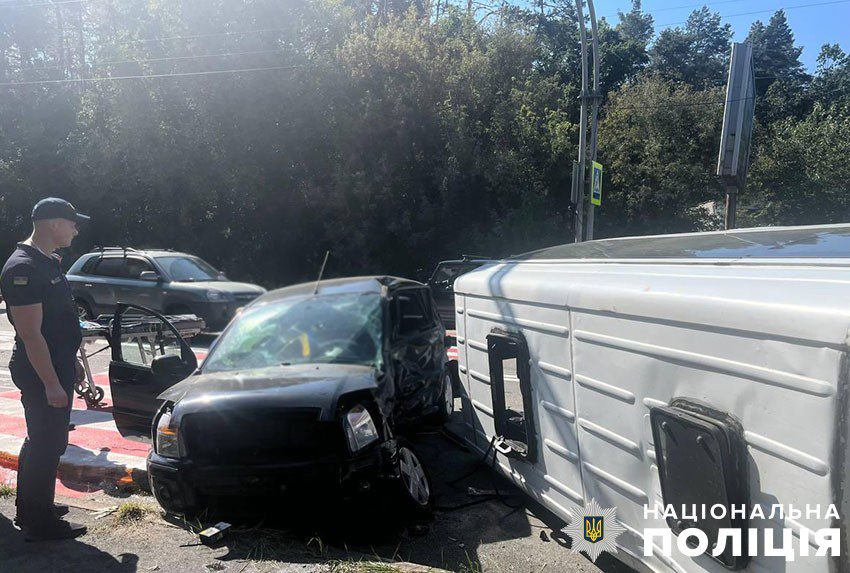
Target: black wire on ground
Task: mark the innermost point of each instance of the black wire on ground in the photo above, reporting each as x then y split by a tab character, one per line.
484	499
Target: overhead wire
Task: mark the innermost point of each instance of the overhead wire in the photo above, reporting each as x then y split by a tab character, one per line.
164	59
671	8
794	7
57	3
145	76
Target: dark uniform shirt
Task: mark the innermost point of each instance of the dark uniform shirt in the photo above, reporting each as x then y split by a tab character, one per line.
31	277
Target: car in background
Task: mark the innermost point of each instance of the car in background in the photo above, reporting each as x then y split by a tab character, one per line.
166	281
305	390
442	282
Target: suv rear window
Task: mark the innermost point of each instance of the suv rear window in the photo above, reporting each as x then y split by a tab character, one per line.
111	267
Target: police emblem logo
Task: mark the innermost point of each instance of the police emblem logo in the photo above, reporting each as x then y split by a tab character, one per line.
594	529
20	281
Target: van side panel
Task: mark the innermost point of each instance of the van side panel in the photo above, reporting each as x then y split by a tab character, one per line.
609	342
556	476
623	367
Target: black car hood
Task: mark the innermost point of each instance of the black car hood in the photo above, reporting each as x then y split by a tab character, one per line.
306	385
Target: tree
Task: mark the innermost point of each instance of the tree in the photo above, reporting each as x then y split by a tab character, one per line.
624	48
660	150
697	54
802	175
774	54
831	83
780	76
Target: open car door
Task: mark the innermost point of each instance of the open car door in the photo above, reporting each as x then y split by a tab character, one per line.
148	357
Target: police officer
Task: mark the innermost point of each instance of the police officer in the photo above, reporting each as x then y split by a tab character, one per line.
43	364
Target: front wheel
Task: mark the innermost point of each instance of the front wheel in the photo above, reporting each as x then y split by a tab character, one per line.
412	485
83	309
447	397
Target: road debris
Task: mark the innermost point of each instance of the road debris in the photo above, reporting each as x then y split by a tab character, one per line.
214	534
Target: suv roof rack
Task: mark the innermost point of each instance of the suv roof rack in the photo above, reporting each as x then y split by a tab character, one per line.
100	249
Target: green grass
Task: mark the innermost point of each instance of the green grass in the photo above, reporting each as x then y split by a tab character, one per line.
470	566
130	513
262	544
7	490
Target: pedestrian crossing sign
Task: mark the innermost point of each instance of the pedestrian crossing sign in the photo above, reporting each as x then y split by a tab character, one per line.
596	184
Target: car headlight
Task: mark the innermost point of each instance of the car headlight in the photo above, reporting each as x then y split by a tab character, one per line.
359	428
167	442
216	295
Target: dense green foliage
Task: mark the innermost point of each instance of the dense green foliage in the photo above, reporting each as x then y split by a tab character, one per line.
393	133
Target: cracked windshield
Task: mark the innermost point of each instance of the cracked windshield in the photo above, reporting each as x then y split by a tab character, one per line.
342	329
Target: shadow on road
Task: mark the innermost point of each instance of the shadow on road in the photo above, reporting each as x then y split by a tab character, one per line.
321	529
67	555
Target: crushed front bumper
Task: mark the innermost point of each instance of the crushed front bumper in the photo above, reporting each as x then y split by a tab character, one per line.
184	487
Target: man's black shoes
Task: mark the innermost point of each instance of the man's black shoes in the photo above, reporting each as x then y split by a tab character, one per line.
53	530
60	509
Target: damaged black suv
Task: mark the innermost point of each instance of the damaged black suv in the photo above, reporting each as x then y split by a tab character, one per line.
306	387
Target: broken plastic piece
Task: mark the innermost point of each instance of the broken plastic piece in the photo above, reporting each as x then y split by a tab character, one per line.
214	534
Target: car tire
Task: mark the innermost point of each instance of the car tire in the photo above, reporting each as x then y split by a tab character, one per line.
412	488
446	402
83	309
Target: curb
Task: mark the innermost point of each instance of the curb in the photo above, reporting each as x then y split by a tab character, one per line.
94	474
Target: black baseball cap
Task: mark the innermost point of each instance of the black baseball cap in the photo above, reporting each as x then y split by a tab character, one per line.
56	208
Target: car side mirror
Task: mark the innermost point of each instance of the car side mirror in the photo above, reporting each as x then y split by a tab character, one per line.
149	276
169	365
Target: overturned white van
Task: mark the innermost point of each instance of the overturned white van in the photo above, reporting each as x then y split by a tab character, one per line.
728	350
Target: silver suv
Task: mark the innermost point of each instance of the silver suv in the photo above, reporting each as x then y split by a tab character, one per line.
165	281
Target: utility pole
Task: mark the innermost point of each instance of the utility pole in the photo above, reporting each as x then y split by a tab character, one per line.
579	179
582	129
594	114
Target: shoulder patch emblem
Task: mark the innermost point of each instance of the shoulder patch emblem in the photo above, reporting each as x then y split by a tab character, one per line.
20	281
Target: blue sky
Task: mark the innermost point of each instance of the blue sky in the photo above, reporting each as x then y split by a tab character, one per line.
813	26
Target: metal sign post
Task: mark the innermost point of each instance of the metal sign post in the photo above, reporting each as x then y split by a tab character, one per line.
596	97
735	138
